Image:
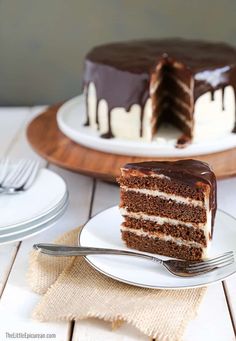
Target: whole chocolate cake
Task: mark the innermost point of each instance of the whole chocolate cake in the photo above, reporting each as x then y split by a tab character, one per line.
132	87
168	207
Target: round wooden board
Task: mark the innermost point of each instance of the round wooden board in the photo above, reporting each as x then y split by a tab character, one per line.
47	140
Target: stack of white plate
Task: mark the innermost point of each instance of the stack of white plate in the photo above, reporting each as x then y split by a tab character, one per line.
35	210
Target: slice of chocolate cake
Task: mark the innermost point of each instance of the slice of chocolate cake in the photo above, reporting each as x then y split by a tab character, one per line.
168	207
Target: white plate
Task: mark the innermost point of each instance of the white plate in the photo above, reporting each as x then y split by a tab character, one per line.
103	230
71	118
37	222
35	228
43	197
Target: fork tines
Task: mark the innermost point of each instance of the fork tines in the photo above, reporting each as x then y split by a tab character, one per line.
216	262
18	178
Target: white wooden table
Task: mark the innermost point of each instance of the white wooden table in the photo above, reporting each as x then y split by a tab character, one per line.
217	316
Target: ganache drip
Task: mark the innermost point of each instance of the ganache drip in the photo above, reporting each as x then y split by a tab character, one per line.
125	69
223	98
212	95
87	122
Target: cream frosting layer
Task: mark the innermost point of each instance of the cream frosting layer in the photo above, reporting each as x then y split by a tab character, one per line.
183	86
176	112
160	220
206	228
183	118
178	241
161	236
166	196
183	104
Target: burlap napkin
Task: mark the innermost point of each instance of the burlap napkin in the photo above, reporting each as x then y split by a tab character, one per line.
73	290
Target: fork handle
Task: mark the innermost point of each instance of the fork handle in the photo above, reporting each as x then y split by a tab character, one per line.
9	191
68	251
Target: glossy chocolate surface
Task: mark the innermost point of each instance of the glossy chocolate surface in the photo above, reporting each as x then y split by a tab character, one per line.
122	71
188	170
145	54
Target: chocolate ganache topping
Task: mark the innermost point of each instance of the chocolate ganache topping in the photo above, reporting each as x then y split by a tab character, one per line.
186	171
122	72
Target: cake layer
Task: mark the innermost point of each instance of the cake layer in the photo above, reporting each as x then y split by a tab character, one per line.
161	236
182	104
162	184
162	220
165	195
162	247
177	231
137	202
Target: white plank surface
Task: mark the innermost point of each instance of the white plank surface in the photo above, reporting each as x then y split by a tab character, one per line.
106	195
213	321
230	291
227	202
7	256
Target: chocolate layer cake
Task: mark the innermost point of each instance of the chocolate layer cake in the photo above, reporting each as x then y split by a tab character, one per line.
168	207
133	87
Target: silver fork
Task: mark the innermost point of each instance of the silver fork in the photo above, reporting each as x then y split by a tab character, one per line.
176	267
20	178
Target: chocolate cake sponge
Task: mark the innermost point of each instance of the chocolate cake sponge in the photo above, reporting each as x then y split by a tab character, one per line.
168	207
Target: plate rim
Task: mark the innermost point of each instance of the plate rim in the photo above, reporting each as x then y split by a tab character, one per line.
38	222
143	285
65	108
42	215
36	230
